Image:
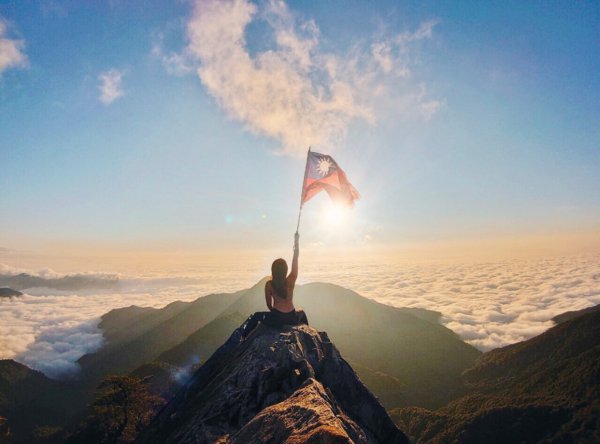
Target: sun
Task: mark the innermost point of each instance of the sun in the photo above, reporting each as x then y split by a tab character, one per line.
336	215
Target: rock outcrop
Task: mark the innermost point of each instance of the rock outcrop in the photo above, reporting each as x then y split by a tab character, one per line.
289	385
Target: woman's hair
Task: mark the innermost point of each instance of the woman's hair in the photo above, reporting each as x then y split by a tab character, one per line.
279	271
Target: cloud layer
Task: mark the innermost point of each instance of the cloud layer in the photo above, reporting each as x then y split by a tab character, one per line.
293	91
11	50
49	330
489	304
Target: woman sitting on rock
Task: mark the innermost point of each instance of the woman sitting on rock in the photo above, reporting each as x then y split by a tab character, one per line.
279	296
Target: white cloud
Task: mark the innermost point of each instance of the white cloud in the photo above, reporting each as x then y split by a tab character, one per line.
382	54
111	86
11	50
56	349
425	31
295	92
427	108
489	305
176	64
49	330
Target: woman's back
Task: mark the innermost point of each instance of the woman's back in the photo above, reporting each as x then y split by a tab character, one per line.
283	304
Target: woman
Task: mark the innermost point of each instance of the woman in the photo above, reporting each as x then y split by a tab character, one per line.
279	291
279	296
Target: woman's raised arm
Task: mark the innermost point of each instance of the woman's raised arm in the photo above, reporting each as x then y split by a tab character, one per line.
294	273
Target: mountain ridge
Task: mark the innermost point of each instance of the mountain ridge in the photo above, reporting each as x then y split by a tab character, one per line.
29	399
545	389
390	342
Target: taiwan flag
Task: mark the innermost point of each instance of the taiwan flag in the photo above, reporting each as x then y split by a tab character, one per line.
323	173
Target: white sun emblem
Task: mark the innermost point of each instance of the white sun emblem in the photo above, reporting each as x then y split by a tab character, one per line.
324	166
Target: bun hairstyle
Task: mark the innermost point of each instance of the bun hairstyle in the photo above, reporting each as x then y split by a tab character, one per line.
279	271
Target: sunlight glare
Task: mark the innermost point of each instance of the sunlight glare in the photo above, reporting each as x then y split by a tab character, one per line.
336	215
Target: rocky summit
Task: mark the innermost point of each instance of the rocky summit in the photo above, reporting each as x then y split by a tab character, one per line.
285	385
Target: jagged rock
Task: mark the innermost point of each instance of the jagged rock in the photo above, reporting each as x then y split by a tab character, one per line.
288	385
315	416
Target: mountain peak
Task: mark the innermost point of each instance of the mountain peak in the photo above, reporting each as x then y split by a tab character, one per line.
277	385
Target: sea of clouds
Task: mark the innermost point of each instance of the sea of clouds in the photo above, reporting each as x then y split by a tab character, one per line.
488	304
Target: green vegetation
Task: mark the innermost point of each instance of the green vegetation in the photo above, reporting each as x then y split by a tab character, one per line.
28	399
546	389
122	408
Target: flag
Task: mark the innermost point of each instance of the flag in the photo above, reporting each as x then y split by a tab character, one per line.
323	173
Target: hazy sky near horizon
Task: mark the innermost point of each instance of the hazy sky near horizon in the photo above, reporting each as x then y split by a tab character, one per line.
184	124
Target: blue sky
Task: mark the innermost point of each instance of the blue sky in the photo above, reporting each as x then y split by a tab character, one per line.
453	119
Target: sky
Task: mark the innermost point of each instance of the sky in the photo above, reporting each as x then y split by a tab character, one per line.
184	125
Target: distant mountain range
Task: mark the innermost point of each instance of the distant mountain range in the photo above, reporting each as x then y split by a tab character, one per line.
23	281
9	293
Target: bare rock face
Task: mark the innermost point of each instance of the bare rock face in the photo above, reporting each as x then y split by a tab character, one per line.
289	385
315	416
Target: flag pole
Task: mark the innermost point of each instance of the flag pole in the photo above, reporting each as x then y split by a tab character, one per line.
302	194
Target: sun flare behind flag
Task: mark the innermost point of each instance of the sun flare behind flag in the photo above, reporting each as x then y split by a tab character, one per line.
323	173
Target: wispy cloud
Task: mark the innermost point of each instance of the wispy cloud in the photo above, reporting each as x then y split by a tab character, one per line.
176	64
111	86
12	53
294	91
54	8
393	53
